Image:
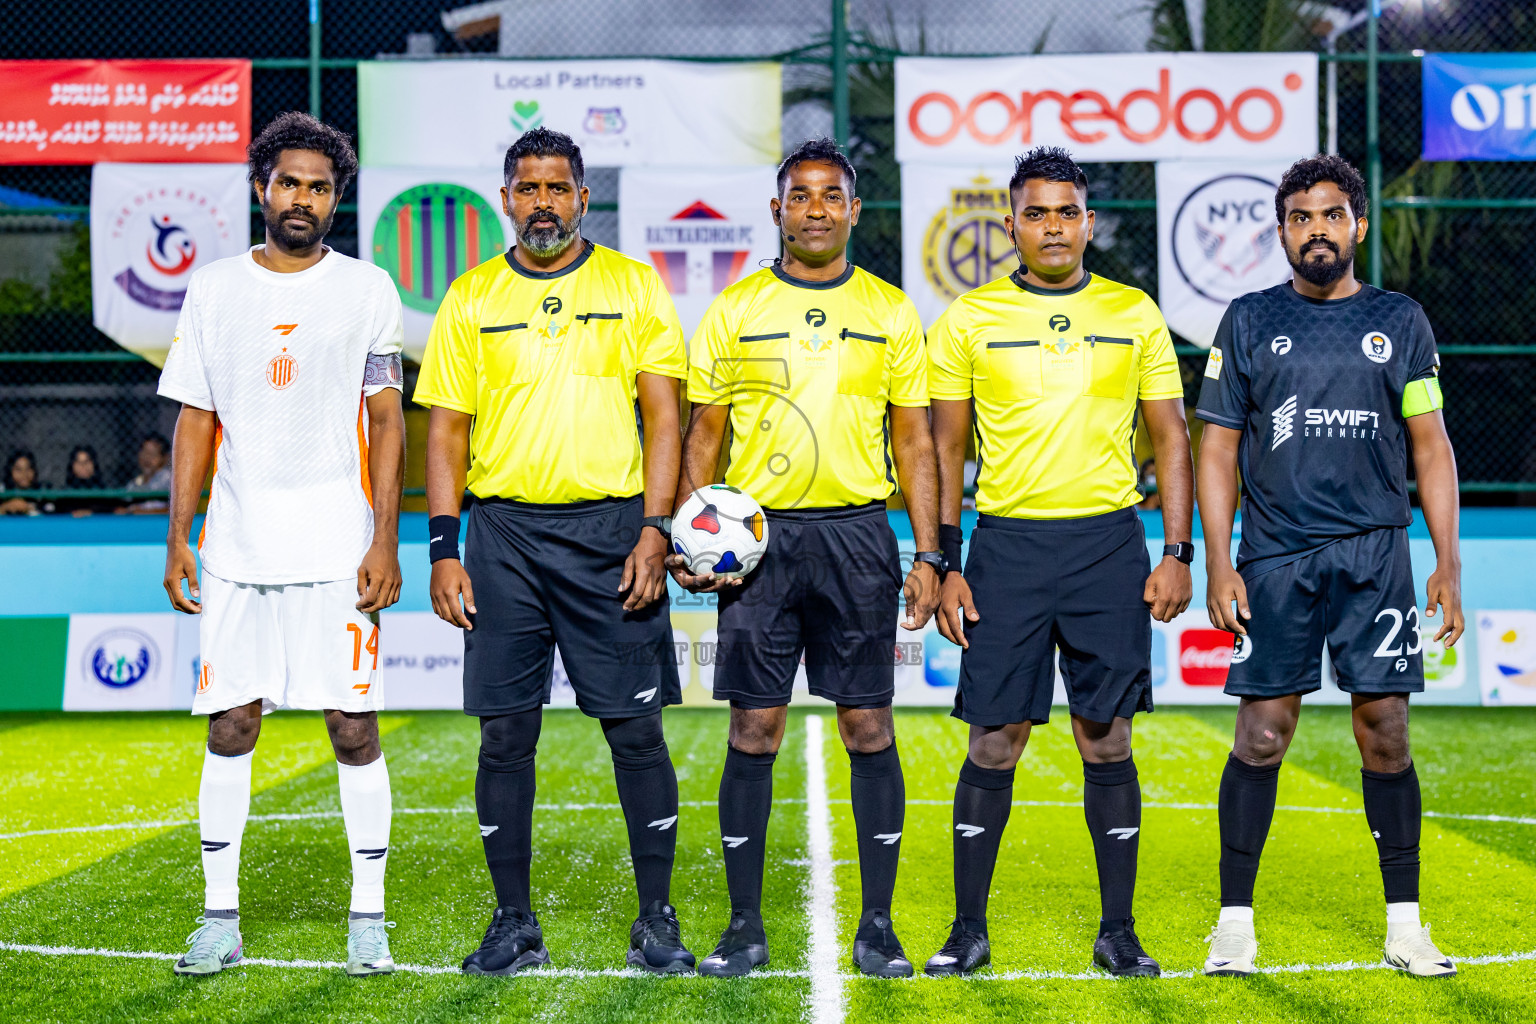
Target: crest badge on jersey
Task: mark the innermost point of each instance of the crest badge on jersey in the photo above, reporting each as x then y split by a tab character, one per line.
280	371
1376	346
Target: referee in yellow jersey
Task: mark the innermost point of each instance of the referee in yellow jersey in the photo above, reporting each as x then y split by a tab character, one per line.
1051	366
817	367
536	364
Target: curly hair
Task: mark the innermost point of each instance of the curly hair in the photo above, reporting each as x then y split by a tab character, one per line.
1303	174
298	130
544	142
819	151
1044	163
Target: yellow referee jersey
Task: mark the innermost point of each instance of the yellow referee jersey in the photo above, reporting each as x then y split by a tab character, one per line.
1056	376
808	369
546	364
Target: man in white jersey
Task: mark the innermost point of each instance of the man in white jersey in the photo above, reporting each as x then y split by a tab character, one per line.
287	364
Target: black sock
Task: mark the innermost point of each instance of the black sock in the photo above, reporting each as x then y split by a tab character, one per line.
879	796
1395	813
1112	805
647	783
983	798
1245	809
746	798
504	789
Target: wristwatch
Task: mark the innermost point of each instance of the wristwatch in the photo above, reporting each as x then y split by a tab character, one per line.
1184	551
662	524
933	558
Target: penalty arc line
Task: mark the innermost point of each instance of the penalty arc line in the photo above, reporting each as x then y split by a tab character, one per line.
826	1000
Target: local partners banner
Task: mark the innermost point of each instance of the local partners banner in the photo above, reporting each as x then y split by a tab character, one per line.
1479	106
703	230
426	226
152	225
1217	238
623	113
1122	106
952	234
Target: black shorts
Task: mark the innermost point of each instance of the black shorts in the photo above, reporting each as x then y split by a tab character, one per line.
828	587
1356	595
1043	584
549	574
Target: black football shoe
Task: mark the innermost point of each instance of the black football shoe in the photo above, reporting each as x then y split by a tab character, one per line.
966	950
876	951
742	947
656	942
512	942
1118	951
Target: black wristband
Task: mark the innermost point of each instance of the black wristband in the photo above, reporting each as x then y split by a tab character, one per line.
444	534
951	539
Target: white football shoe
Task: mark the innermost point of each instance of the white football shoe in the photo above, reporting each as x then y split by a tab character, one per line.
1412	951
1233	949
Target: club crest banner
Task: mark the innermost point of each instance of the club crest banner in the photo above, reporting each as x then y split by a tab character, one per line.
622	113
702	230
1216	240
152	225
952	234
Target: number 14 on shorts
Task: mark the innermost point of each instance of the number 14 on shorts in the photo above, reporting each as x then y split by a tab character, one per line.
358	647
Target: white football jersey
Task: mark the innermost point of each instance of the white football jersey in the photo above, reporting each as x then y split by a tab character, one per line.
280	358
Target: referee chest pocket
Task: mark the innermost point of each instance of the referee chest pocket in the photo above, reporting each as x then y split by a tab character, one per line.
860	364
599	345
1013	370
1110	361
505	355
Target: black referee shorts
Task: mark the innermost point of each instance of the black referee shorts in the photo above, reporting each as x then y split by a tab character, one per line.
549	574
828	587
1043	584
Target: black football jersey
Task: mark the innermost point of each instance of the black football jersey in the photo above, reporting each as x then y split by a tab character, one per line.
1316	387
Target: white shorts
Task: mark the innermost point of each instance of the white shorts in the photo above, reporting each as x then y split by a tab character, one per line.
293	645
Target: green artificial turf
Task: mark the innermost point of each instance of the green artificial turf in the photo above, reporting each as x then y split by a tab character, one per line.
1318	902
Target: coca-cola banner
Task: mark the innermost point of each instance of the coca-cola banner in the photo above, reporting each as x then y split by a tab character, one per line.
145	111
1103	107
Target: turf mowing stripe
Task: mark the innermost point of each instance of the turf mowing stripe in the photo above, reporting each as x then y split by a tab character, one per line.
833	977
826	1002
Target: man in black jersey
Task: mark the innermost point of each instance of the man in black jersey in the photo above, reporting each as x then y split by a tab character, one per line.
1311	390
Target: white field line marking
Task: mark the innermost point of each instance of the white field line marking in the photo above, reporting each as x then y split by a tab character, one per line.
137	826
826	1002
617	972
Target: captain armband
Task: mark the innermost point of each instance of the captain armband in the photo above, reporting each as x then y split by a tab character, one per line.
384	370
1422	396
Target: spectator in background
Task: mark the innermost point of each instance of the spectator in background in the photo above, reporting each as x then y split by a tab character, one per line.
21	475
82	473
1147	481
154	475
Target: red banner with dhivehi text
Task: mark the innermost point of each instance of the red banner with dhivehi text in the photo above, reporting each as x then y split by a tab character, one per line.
126	111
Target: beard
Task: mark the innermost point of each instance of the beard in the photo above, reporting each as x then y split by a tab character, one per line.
291	238
548	239
1321	272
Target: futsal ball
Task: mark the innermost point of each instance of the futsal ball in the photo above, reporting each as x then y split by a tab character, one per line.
720	530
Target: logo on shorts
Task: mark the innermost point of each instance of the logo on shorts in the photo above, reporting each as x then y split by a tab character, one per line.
1376	346
1242	647
204	678
644	696
280	371
1204	655
1280	346
1284	419
119	658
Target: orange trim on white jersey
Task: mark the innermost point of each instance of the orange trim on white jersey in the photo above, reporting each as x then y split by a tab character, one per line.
218	439
362	448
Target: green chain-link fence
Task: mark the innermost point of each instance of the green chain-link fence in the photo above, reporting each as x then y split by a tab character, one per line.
1452	235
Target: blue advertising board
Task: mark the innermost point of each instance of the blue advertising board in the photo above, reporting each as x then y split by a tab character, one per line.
1479	106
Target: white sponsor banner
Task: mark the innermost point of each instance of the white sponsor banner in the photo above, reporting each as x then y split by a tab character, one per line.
1107	107
426	226
120	662
952	234
703	230
1217	238
622	113
152	225
1506	656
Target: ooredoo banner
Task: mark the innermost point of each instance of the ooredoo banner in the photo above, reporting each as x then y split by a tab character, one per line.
1217	238
1479	106
152	225
1107	107
623	113
702	230
426	226
148	111
952	234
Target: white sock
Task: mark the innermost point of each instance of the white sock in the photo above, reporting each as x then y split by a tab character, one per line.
365	807
1402	917
223	803
1243	915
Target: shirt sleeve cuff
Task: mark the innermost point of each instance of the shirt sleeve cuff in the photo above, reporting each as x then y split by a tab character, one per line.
175	394
442	403
1219	419
675	372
